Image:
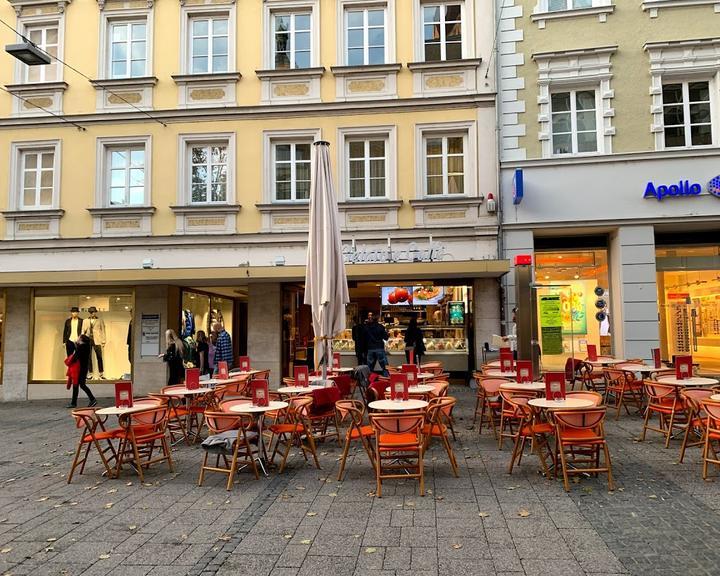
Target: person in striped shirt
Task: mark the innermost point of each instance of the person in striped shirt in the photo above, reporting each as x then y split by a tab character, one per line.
223	346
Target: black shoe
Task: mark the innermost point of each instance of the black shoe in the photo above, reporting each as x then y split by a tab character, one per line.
71	406
93	403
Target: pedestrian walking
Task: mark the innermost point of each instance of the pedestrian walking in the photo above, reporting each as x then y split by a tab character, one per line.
173	356
77	372
358	336
414	341
376	336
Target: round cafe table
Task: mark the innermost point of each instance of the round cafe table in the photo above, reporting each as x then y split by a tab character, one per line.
115	411
501	374
186	391
297	389
417	389
395	405
692	381
642	368
523	386
566	404
425	375
258	413
494	364
605	361
715	397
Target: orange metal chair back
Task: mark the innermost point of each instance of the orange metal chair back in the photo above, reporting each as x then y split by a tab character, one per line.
352	409
595	397
491	386
219	422
659	393
389	425
571	424
440	387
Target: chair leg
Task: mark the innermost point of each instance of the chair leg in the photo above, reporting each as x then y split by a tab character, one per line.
313	449
451	456
343	458
288	445
75	462
421	469
378	468
608	465
519	441
668	434
645	424
566	482
201	478
233	469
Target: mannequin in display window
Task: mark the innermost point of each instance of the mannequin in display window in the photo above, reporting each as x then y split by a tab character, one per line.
72	329
94	328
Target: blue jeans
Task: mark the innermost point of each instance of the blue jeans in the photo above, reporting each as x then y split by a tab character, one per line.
377	355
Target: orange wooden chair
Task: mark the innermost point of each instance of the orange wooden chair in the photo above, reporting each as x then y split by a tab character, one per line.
487	398
437	424
95	434
398	447
295	429
510	416
531	428
238	429
590	379
695	416
664	401
623	388
354	411
261	375
580	436
141	432
440	388
712	433
322	414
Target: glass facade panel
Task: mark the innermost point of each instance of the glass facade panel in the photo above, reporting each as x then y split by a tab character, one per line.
54	325
581	281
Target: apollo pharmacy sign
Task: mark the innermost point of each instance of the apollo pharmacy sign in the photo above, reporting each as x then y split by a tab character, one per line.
683	188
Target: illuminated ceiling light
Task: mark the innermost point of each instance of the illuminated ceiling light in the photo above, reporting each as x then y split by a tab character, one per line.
547	277
28	54
577	276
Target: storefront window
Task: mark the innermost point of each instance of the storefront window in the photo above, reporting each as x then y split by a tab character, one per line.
579	282
200	311
443	314
688	281
104	316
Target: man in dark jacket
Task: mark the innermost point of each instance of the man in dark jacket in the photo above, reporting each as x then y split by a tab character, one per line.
376	335
358	336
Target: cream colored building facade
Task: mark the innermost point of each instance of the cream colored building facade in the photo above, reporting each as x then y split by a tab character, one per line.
168	163
610	116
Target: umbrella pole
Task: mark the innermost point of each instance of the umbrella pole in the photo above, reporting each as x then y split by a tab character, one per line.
325	354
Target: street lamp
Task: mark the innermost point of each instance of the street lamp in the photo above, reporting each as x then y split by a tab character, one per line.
28	53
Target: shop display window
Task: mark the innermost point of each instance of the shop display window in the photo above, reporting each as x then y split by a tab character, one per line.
573	304
200	311
110	329
688	281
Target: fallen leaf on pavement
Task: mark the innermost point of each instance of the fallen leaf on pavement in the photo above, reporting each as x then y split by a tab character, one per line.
305	541
109	505
457	546
483	514
523	513
5	550
132	527
224	538
311	514
42	499
104	556
111	491
370	550
51	540
287	536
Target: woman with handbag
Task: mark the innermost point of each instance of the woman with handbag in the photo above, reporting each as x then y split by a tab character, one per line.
174	357
77	364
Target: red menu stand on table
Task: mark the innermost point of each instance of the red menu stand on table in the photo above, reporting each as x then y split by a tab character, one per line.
506	361
656	357
123	394
192	378
524	371
555	385
222	370
399	386
302	376
336	363
683	367
260	392
592	352
244	363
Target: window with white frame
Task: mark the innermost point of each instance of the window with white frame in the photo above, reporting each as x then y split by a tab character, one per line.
125	178
444	156
37	179
366	167
291	171
574	122
687	115
47	38
209	165
365	35
442	31
559	5
209	45
291	39
127	50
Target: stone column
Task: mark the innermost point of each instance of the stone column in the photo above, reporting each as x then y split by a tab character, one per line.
486	308
633	294
264	343
16	369
149	372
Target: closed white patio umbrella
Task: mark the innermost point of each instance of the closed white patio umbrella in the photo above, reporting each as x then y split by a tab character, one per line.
326	289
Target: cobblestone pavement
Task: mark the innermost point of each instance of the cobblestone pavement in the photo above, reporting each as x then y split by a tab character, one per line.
662	519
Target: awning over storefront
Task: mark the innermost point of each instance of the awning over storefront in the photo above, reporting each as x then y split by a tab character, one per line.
252	274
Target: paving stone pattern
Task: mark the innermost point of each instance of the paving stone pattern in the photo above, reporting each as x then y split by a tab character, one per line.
662	519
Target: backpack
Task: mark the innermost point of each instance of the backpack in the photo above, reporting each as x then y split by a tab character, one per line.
189	351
